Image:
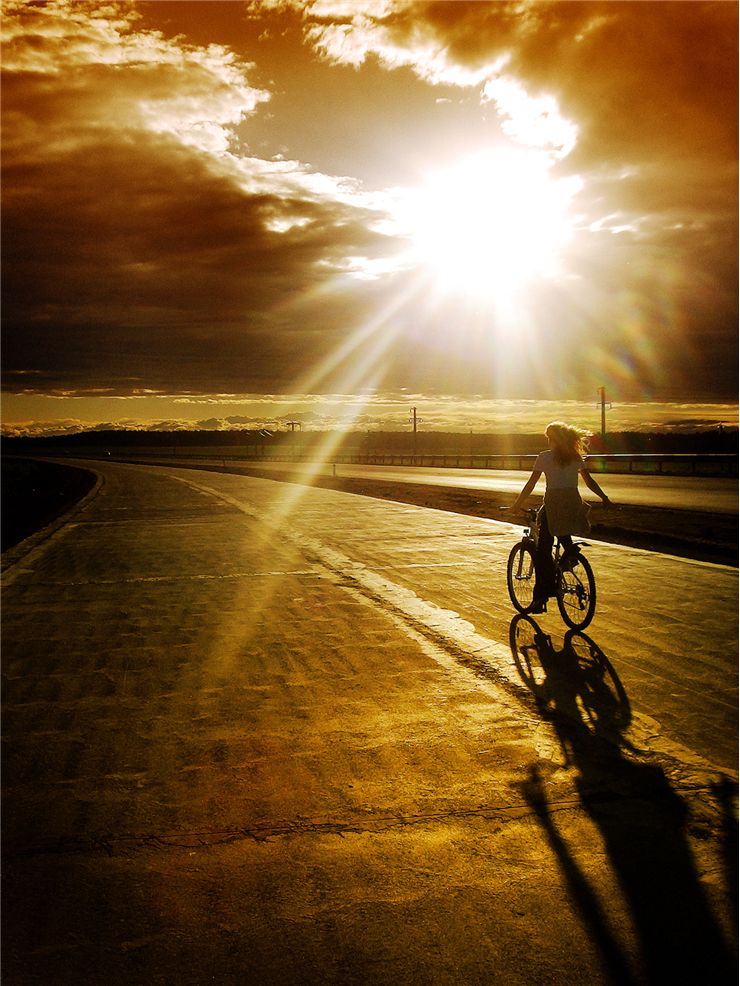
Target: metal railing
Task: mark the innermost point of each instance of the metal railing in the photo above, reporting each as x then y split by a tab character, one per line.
650	464
647	464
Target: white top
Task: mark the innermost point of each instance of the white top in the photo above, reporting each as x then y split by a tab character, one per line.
559	477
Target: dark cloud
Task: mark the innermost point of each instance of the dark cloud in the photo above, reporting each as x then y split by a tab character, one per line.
138	252
136	263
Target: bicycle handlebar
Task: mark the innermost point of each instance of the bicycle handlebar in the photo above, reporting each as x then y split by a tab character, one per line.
529	511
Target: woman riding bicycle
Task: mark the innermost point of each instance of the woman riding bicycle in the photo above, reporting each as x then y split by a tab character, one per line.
563	513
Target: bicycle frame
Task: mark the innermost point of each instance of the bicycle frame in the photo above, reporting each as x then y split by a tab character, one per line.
532	535
576	587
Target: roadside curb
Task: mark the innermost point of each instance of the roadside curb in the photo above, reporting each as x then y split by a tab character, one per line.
19	551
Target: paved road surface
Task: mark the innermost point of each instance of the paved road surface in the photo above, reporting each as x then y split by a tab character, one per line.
678	492
260	733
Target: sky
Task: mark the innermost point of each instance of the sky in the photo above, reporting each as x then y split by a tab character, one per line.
235	214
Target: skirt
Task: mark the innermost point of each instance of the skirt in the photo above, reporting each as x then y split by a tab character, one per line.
566	512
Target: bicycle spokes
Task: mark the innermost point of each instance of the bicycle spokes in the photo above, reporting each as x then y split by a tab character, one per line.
520	575
577	594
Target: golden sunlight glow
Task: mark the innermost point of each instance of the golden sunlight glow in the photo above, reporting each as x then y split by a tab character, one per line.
491	224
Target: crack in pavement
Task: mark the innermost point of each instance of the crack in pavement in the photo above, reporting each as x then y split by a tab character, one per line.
373	821
127	842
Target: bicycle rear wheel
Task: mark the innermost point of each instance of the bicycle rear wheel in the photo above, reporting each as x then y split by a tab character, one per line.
576	593
520	576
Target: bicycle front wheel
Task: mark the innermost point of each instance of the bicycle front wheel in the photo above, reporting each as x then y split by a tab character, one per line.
520	576
576	593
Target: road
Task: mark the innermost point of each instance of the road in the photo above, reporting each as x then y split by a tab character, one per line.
265	733
712	494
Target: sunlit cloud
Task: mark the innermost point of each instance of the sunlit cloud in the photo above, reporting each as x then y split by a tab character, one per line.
348	33
535	121
162	86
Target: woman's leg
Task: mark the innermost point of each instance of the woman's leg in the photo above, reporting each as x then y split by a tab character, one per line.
544	568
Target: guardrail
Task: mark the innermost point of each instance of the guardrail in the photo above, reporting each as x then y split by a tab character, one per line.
647	464
650	464
674	465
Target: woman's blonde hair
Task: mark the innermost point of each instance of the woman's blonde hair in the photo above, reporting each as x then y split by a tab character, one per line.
569	443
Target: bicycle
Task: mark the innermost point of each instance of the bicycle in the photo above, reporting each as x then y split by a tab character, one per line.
575	585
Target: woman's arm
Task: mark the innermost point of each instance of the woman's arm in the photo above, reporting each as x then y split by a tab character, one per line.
528	487
589	480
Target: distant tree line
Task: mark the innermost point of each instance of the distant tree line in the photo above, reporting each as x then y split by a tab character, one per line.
714	440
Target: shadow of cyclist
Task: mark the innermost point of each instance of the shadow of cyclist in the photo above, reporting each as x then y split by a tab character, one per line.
641	818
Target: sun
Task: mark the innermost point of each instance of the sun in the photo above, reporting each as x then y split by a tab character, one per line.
489	225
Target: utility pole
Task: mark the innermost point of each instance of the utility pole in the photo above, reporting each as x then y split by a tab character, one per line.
292	444
602	395
414	419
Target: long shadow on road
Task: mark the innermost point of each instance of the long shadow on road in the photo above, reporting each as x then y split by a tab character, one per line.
640	817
